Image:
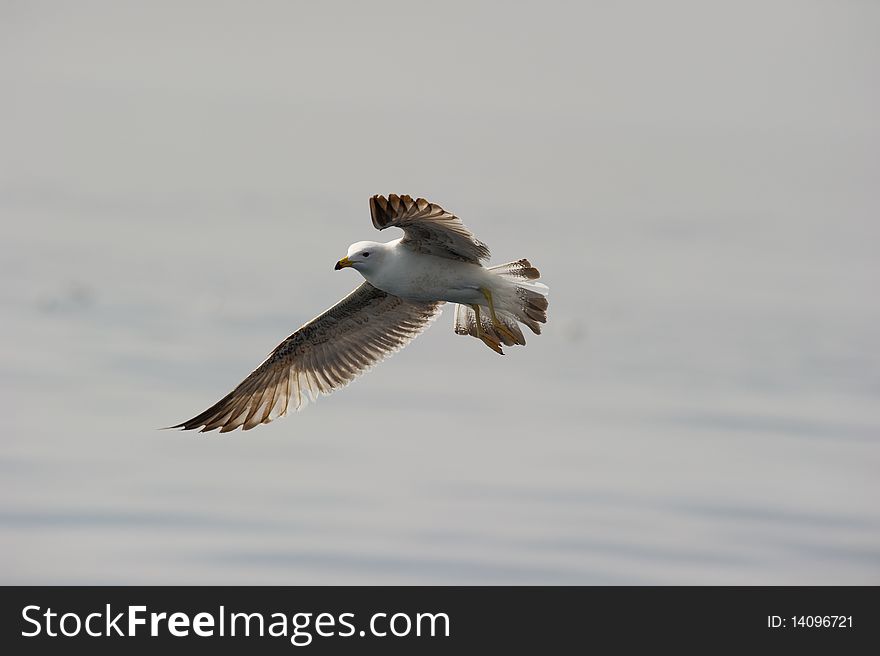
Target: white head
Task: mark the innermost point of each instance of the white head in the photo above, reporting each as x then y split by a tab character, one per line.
362	256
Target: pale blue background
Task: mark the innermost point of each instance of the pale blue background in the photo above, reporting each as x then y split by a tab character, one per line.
698	183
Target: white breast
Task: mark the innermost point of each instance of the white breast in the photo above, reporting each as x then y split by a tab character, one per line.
419	277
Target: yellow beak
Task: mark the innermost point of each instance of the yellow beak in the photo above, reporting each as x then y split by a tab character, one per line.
341	264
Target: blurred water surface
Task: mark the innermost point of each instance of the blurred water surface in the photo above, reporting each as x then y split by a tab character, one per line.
697	184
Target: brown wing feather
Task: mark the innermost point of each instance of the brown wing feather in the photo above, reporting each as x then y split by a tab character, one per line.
428	228
324	355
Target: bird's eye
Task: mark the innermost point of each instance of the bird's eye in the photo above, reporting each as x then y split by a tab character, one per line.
365	254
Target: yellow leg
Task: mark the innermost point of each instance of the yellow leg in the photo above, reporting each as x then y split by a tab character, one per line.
499	325
488	340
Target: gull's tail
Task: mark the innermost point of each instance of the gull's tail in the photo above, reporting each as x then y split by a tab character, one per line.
516	298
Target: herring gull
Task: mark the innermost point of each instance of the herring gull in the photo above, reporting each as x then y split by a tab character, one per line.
406	283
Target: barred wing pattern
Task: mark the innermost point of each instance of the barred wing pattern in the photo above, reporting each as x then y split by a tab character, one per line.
324	355
428	228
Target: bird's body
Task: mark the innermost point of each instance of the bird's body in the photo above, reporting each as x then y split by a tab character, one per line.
407	281
424	277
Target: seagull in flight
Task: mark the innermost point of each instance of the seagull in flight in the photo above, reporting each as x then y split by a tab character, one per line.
407	281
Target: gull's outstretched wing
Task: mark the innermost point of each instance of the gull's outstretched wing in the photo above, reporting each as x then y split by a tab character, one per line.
324	355
428	228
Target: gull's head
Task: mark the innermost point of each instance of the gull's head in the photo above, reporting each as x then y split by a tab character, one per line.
362	256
